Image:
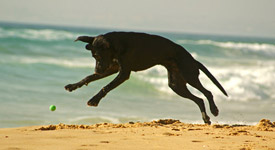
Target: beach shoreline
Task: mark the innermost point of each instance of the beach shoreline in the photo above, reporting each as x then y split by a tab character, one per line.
161	134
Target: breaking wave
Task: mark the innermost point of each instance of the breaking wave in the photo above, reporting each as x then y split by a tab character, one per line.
243	83
256	47
37	34
72	63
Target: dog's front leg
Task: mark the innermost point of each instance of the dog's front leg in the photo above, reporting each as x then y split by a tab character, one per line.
88	79
122	76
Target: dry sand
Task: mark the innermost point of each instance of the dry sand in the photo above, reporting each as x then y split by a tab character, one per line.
162	134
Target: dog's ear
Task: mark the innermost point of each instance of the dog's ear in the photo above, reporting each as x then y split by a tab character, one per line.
86	39
101	42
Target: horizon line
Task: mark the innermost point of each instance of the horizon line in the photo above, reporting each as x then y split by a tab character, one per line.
129	29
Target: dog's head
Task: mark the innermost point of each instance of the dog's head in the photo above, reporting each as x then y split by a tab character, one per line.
101	51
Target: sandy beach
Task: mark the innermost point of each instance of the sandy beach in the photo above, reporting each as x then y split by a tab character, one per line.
161	134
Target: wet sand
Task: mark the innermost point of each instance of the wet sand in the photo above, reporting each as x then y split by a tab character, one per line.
161	134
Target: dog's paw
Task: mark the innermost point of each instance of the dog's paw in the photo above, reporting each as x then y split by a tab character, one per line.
94	101
214	111
71	87
206	118
208	122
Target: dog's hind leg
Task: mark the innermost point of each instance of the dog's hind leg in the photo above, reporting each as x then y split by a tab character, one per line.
195	82
190	73
178	84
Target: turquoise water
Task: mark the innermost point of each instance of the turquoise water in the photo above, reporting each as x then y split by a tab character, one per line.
36	62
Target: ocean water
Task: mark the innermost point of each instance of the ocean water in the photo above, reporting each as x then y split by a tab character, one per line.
36	62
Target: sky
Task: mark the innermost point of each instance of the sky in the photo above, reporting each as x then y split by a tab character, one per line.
223	17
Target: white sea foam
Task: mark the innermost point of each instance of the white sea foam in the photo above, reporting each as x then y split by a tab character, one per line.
242	83
72	63
245	83
114	118
37	34
91	120
269	48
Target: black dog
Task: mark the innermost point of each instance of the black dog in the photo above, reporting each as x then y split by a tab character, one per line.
124	52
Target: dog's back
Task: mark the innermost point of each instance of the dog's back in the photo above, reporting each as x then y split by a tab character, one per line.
146	49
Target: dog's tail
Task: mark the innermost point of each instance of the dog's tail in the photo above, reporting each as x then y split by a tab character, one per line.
211	77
